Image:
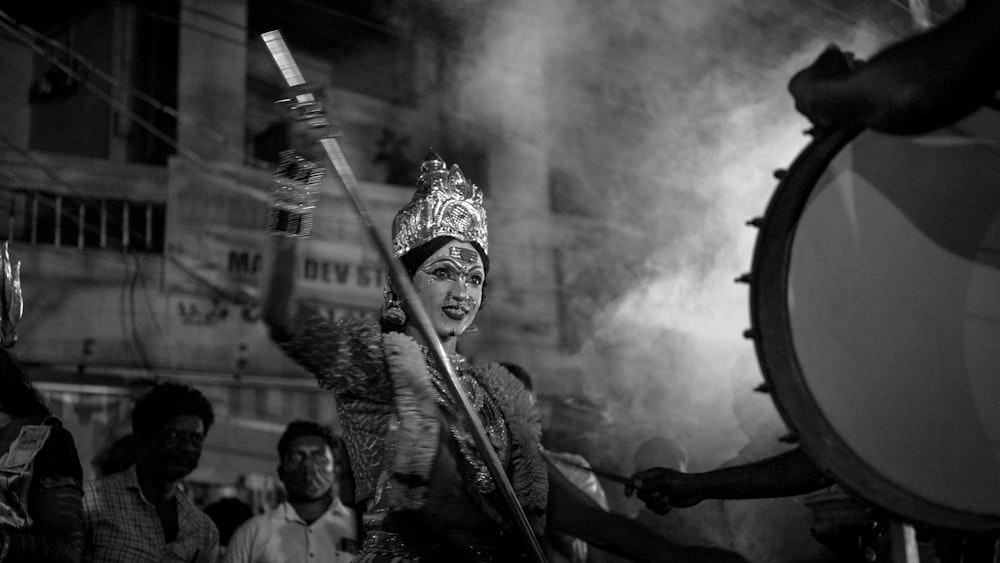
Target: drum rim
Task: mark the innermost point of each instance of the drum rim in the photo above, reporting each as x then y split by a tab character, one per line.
773	342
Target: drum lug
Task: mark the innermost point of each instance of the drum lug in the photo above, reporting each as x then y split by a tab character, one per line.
750	334
756	222
763	388
790	438
780	173
745	278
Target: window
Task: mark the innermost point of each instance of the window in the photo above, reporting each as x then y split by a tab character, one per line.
45	218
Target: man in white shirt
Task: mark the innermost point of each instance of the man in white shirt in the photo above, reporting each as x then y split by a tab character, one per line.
312	525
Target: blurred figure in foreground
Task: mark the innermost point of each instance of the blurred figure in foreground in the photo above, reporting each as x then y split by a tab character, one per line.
40	473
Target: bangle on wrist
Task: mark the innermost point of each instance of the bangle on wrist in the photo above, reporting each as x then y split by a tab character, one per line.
294	195
289	224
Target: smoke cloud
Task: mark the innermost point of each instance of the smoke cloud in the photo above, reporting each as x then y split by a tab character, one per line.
664	121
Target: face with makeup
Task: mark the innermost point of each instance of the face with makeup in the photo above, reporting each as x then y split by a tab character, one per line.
450	287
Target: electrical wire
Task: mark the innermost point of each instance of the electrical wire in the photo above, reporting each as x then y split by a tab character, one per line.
5	24
13	27
687	41
111	80
934	15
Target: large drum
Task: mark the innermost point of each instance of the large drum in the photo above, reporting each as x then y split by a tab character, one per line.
875	304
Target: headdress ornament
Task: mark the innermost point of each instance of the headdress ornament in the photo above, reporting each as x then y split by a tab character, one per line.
445	204
11	304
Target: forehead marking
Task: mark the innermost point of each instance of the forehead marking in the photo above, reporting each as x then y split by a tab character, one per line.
463	254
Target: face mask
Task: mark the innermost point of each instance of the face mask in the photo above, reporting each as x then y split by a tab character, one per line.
306	481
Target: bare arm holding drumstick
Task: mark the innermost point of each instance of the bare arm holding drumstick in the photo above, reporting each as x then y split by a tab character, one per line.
919	84
787	474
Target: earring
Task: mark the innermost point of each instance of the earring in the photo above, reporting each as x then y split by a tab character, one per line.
392	312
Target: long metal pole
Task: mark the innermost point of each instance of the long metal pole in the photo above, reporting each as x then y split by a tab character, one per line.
415	311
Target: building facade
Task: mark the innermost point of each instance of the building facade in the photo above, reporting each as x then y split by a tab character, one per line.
138	145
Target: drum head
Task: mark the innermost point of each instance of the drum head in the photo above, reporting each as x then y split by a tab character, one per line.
875	299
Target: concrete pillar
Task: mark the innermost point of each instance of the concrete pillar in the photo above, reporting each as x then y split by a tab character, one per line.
521	310
211	86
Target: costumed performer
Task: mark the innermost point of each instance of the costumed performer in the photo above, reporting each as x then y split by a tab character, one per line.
426	491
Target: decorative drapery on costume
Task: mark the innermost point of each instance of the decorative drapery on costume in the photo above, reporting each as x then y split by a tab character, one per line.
40	478
21	441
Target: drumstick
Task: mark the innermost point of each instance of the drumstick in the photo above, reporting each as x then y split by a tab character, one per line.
628	481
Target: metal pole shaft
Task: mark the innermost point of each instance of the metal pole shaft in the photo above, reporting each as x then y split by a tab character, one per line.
401	280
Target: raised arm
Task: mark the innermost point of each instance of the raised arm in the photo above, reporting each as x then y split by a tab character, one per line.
291	208
919	84
279	285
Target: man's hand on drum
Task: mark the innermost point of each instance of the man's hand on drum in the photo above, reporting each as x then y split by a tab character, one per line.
662	488
923	82
814	87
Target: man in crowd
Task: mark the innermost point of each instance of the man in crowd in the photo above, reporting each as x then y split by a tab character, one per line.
313	524
142	514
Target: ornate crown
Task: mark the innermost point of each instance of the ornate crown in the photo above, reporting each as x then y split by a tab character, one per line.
445	204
